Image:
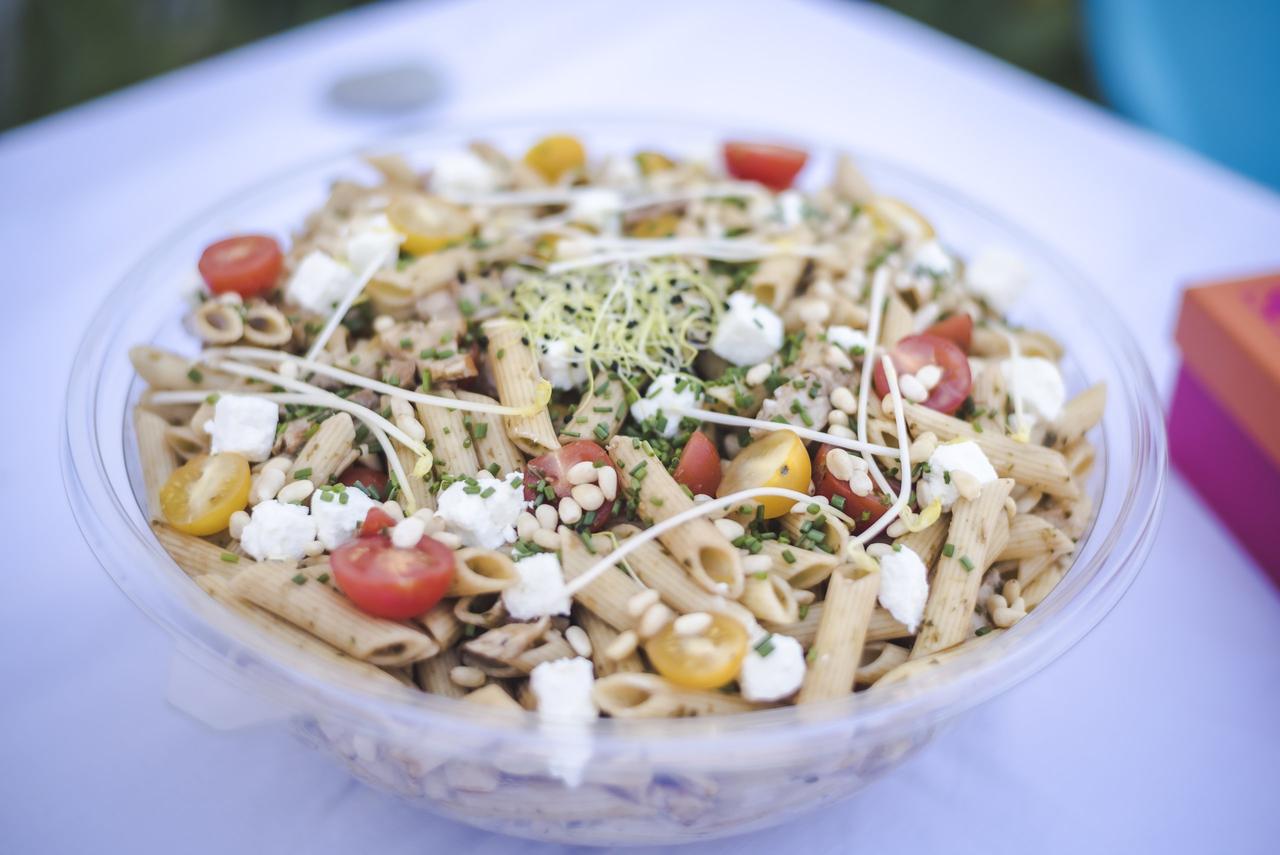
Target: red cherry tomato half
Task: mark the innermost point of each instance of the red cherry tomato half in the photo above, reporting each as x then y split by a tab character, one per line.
373	481
375	521
957	328
392	583
914	352
553	468
774	166
863	510
245	264
699	466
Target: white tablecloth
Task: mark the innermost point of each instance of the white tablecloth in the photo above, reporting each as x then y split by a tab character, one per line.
1158	733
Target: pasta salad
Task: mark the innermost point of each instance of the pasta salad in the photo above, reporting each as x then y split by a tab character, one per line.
635	435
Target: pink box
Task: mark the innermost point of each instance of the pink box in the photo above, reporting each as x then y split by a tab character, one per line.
1224	422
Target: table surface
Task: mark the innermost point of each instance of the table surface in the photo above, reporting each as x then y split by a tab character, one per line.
1157	733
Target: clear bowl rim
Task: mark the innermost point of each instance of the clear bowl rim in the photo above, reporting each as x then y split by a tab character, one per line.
1056	625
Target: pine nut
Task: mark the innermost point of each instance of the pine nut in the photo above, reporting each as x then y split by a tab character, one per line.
758	374
392	509
878	550
731	529
578	640
408	532
622	646
547	516
839	464
412	427
547	539
526	525
467	677
570	510
266	485
448	539
653	620
313	549
966	485
897	528
295	492
838	417
844	401
756	563
583	472
235	525
288	369
886	403
640	603
382	323
694	623
929	376
912	389
588	496
608	480
842	432
924	446
837	358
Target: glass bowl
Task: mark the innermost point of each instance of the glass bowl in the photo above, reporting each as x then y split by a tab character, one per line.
644	782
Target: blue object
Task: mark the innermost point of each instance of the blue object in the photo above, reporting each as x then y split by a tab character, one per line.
1204	72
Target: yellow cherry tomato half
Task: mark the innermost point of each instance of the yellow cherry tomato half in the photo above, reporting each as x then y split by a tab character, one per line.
660	226
897	217
705	660
202	494
428	224
776	460
553	156
651	162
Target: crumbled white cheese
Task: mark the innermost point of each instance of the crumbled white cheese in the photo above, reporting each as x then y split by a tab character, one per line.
662	398
244	424
748	332
462	172
278	532
595	206
790	208
562	690
336	519
485	521
904	586
318	283
561	367
621	171
776	675
370	240
540	591
931	258
847	338
946	460
998	276
1039	383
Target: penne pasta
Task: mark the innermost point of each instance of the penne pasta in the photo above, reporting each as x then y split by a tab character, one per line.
515	373
155	455
448	438
1079	416
600	412
489	435
837	647
607	596
328	447
481	571
630	695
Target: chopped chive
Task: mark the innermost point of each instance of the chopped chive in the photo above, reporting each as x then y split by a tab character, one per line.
342	498
230	557
299	579
949	550
765	645
788	556
966	562
194	375
323	578
601	431
837	502
486	493
304	472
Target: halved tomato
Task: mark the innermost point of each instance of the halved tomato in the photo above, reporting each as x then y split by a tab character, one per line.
388	582
375	522
774	166
245	264
202	494
914	352
699	466
958	328
863	510
553	469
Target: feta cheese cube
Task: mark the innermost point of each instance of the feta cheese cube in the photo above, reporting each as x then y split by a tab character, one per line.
244	424
484	521
998	276
947	459
790	208
336	518
847	338
371	240
540	590
278	532
1039	383
776	674
931	258
319	283
597	206
463	172
904	585
562	690
561	367
748	332
662	398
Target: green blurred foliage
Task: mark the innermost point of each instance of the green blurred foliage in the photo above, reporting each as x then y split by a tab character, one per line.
55	53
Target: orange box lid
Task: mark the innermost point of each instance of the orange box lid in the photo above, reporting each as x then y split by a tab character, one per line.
1229	333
